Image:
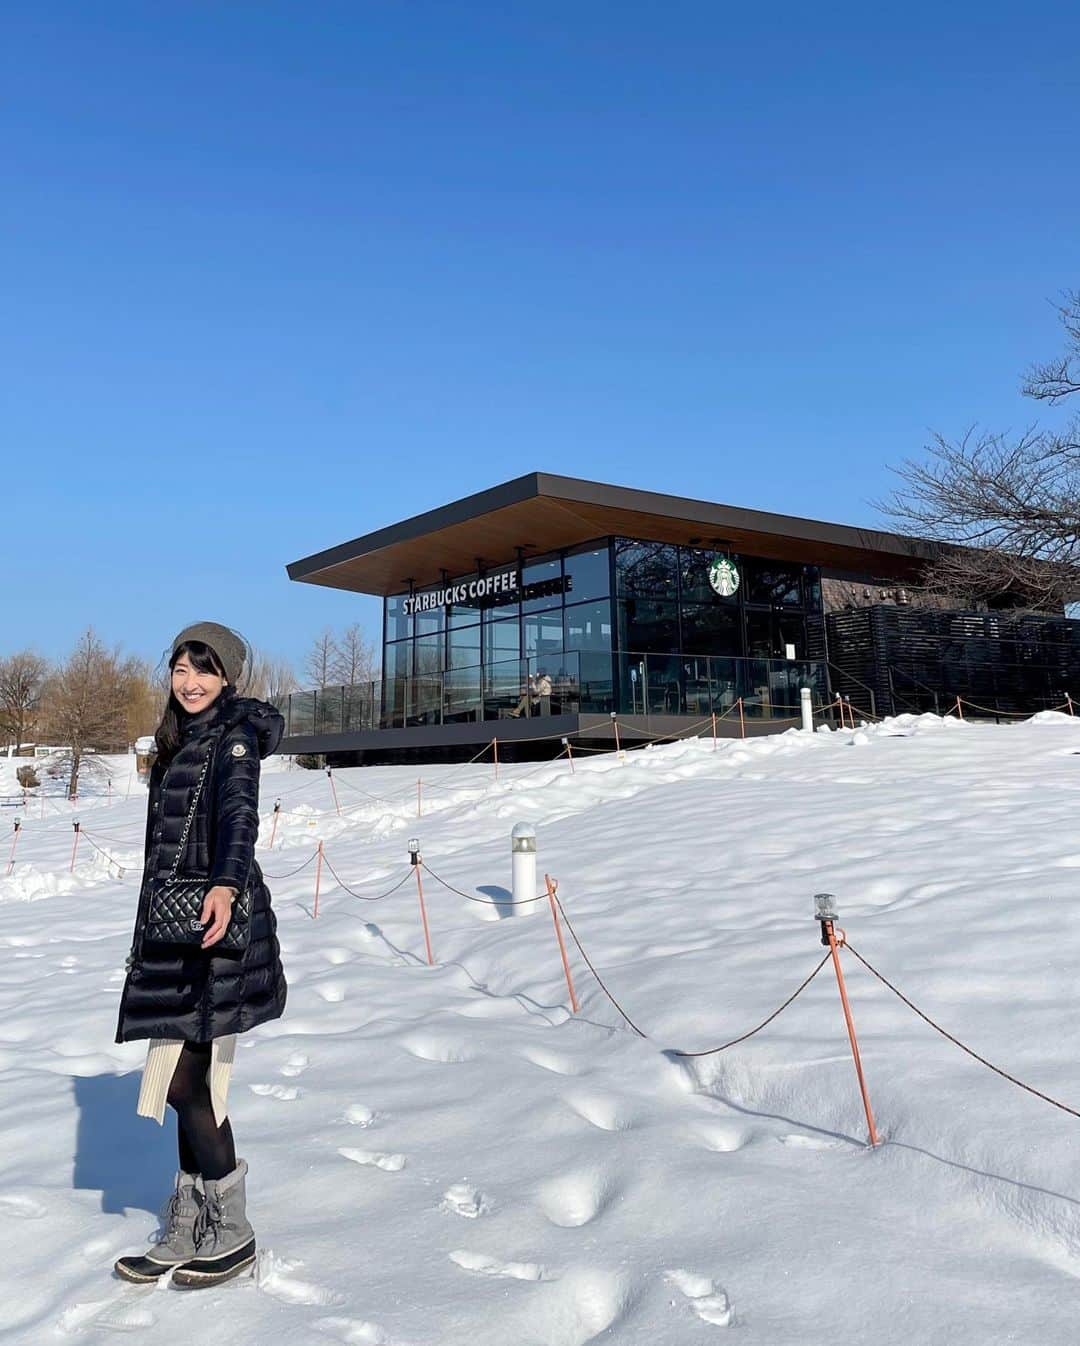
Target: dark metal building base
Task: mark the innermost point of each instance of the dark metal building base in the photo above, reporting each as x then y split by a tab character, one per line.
525	740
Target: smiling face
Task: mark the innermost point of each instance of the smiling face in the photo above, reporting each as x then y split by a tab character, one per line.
194	689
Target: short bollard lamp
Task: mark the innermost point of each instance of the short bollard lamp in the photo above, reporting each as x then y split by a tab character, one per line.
414	851
825	912
523	868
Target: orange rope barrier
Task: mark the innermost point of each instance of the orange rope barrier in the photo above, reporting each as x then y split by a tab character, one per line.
956	1041
292	872
364	897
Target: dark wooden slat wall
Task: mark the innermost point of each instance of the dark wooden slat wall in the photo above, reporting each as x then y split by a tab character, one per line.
921	659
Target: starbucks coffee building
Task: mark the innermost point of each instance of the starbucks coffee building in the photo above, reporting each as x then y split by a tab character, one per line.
539	608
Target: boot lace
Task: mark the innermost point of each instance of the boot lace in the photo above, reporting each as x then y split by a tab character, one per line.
176	1209
208	1221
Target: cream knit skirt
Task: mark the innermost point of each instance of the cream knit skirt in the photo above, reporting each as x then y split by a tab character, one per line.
161	1059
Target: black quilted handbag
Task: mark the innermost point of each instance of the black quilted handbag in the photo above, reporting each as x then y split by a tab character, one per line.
175	904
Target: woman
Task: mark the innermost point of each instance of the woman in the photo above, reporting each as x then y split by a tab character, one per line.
189	1000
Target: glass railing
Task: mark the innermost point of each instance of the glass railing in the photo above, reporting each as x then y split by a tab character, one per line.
576	683
701	686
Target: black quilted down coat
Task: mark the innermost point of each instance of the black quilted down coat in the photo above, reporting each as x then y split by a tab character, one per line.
178	991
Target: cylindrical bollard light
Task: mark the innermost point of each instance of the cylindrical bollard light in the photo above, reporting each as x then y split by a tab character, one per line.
523	862
806	705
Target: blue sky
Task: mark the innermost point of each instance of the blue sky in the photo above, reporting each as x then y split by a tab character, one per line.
275	275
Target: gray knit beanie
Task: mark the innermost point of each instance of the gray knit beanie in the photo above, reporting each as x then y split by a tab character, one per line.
230	648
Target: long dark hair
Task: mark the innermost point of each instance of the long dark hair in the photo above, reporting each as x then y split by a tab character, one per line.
169	731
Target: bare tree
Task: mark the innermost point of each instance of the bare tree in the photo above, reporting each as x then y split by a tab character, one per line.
281	680
144	697
355	662
271	678
22	677
84	707
1011	501
321	659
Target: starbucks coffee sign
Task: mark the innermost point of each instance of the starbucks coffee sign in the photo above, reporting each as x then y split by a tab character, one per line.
724	576
479	591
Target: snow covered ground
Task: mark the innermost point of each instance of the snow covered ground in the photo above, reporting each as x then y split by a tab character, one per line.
445	1156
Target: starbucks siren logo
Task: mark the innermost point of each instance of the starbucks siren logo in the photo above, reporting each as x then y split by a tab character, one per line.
723	576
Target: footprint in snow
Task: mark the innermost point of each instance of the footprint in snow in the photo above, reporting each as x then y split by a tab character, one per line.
809	1142
273	1276
295	1065
549	1060
97	1248
584	1306
22	1207
723	1137
445	1050
709	1302
108	1315
359	1114
332	992
353	1331
391	1163
284	1093
491	1266
600	1110
461	1199
574	1199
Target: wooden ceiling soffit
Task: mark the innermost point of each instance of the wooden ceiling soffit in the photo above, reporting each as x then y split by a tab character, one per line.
546	523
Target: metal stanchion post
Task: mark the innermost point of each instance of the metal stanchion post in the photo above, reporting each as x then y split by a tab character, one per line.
569	753
414	860
74	845
615	725
551	886
318	882
273	829
825	912
14	843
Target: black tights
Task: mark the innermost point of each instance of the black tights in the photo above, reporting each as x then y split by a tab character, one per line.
205	1147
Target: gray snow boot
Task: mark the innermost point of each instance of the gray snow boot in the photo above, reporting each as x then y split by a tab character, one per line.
224	1241
177	1242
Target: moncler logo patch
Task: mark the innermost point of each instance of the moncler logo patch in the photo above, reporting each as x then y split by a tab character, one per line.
238	750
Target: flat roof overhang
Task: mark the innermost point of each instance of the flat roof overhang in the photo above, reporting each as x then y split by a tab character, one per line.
540	513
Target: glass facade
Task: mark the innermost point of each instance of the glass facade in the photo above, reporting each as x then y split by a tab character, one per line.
624	624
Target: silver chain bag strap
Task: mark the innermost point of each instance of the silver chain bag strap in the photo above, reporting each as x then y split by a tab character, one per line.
174	909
